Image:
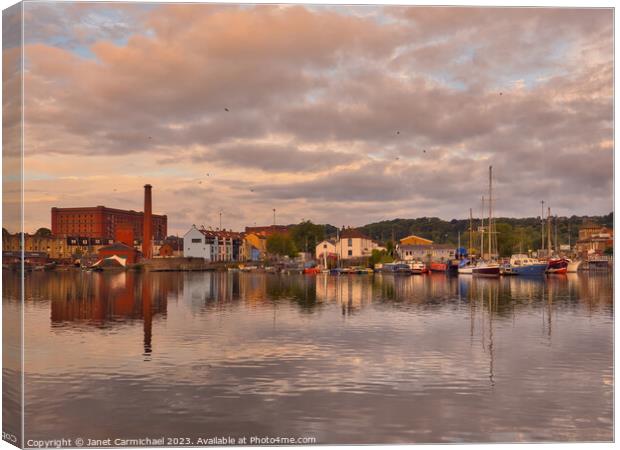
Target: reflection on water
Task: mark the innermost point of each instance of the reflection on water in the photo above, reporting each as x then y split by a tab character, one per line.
361	359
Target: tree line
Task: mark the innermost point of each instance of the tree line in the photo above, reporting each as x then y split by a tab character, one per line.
513	235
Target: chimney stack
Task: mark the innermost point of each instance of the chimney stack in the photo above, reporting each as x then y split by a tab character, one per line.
147	230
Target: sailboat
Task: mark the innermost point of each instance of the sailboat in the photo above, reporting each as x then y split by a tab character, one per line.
466	265
555	264
573	266
488	268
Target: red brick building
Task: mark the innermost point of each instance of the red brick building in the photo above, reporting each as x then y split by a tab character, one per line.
102	222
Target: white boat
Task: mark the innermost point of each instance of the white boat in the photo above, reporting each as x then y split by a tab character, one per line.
573	266
467	270
418	267
486	269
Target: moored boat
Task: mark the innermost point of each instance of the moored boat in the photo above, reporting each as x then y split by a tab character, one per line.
557	266
521	264
438	267
599	263
486	269
506	269
573	266
418	268
403	269
466	267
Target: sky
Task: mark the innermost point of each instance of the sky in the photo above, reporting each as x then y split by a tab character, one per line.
342	115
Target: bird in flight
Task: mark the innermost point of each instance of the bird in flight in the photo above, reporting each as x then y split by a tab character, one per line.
226	109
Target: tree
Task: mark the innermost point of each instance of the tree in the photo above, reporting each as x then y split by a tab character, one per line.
43	232
281	245
306	235
505	239
380	256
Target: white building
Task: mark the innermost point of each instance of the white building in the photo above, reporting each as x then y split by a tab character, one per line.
197	245
326	248
213	245
352	243
433	252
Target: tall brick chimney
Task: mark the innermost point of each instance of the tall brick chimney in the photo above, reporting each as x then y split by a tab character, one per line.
147	230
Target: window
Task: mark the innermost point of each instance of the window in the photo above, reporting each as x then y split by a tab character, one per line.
196	241
350	242
350	253
324	245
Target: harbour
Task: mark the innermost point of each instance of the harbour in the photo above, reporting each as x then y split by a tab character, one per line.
356	359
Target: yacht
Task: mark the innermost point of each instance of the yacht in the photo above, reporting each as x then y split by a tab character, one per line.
521	264
573	266
557	265
466	267
486	269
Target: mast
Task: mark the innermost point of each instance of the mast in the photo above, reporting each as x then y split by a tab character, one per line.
338	242
490	212
557	249
482	230
325	260
471	220
549	230
542	225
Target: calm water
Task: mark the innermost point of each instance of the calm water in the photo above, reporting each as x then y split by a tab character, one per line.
352	359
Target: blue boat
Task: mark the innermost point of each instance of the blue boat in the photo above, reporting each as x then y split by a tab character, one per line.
525	266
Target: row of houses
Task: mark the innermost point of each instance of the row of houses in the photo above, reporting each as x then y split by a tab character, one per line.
227	245
353	244
594	239
70	248
251	245
348	244
224	245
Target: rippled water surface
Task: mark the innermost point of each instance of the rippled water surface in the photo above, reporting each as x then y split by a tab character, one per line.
350	359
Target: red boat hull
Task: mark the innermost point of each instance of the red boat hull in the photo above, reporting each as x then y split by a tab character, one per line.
438	267
557	266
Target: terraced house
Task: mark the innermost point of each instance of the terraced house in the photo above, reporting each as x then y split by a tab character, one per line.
352	243
213	245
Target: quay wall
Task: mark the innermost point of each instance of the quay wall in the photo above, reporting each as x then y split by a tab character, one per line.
182	264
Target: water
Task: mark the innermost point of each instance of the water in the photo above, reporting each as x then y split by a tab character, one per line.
351	359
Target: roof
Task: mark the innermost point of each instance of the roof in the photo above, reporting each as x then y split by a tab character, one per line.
352	233
92	209
413	236
117	246
112	261
427	247
270	229
221	234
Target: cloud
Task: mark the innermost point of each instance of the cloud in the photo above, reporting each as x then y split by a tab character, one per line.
275	158
326	108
